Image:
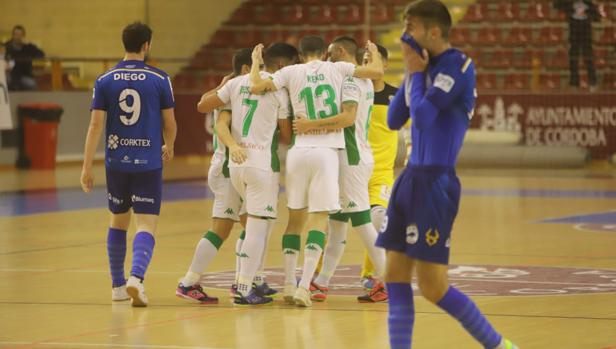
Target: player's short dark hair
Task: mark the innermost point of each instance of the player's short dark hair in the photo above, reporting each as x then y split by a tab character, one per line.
279	50
431	13
311	45
383	51
240	58
18	27
135	35
348	43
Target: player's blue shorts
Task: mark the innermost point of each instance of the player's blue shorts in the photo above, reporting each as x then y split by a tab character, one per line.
140	190
422	208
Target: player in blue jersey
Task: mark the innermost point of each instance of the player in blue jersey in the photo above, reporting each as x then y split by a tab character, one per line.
137	100
439	97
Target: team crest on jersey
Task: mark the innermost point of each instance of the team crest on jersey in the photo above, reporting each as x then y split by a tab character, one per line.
444	82
412	234
432	237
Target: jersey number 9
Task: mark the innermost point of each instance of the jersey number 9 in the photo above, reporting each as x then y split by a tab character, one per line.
134	108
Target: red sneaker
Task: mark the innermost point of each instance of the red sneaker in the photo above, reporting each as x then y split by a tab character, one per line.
318	293
376	295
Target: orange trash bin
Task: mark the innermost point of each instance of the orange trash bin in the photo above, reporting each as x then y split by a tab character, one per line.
40	132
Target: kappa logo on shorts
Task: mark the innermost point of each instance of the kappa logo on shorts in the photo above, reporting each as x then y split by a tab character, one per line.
229	211
432	237
352	204
269	208
412	234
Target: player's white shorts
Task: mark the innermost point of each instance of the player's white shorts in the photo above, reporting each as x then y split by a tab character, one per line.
227	201
259	189
354	193
312	179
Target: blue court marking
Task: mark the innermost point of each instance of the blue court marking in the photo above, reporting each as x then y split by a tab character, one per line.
46	201
21	203
603	218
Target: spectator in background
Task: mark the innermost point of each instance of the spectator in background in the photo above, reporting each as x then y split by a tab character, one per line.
580	14
19	54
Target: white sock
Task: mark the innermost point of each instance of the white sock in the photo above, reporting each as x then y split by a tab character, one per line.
206	250
377	215
252	249
238	249
336	242
290	250
260	277
312	253
368	235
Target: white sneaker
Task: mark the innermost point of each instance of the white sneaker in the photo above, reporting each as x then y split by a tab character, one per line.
119	294
302	297
134	288
289	293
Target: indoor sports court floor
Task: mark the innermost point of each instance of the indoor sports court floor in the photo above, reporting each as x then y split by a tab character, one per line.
536	248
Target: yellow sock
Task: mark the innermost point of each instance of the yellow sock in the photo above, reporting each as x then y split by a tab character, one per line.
367	269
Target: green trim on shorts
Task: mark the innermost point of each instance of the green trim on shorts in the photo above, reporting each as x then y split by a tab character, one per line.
350	141
360	218
339	216
316	237
225	164
214	239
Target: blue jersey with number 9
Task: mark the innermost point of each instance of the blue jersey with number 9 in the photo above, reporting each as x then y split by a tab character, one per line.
133	95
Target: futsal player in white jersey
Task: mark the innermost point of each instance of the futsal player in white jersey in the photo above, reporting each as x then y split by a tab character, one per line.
252	134
312	161
356	164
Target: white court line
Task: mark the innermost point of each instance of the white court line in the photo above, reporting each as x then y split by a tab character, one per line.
116	345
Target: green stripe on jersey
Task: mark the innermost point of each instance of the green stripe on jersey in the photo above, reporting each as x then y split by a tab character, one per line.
225	165
275	162
351	145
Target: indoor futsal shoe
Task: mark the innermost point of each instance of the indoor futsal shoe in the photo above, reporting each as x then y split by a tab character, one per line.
376	295
251	299
318	293
289	293
302	297
264	290
119	294
134	288
507	344
195	293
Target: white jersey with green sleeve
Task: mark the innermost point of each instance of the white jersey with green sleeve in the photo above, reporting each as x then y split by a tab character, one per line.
254	121
314	89
360	91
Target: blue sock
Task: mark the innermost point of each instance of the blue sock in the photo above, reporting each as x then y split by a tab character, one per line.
458	305
143	245
116	251
401	315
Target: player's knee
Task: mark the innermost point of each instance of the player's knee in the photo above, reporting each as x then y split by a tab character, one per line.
432	289
377	214
146	222
120	221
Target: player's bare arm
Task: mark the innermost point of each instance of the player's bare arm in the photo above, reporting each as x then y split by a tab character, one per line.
170	130
223	130
258	85
345	119
286	130
95	130
374	68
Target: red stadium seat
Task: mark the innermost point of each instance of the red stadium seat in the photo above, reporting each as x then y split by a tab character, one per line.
488	36
241	15
500	59
475	12
518	37
487	81
605	10
524	60
359	36
294	14
609	36
222	38
508	11
601	57
349	14
184	82
459	36
559	60
265	14
536	11
517	82
381	14
549	36
550	82
321	14
247	38
271	36
609	82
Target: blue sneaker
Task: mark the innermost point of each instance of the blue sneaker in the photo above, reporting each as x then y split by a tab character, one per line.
252	299
264	290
